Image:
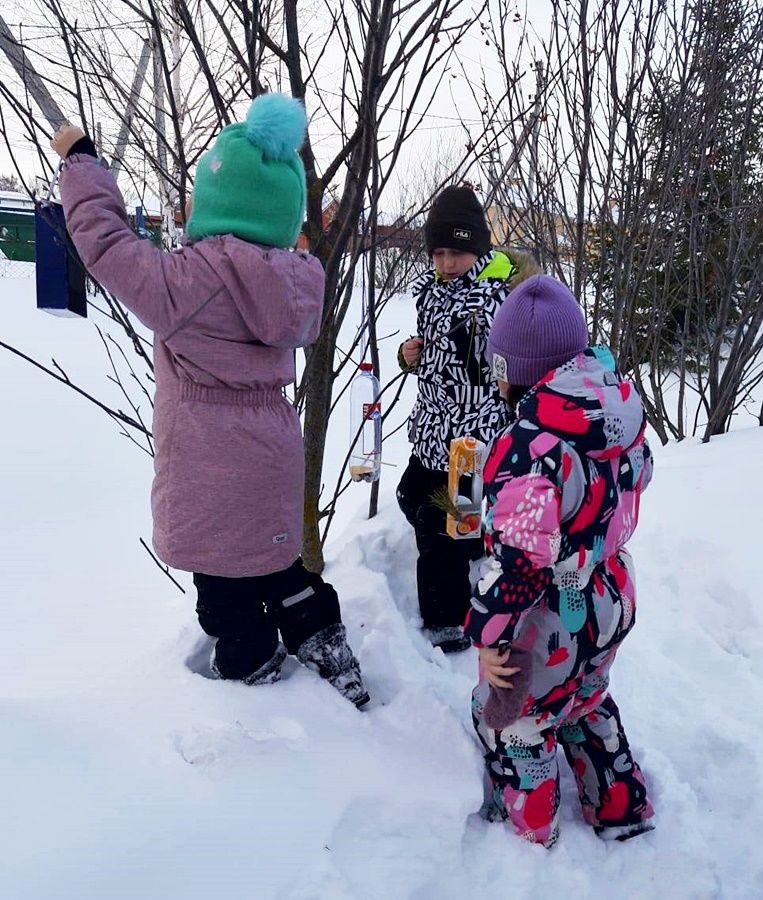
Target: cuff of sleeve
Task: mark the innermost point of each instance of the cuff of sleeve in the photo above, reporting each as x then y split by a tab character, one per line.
84	146
477	624
473	627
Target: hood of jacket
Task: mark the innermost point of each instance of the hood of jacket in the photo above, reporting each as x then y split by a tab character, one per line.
587	403
278	293
499	264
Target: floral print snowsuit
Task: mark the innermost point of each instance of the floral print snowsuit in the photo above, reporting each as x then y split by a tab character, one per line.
563	485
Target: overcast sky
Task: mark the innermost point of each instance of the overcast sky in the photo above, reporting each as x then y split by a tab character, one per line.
439	128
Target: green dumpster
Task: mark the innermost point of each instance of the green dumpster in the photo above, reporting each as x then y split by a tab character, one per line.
16	226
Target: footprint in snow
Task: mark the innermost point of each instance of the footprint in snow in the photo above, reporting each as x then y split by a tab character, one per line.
206	745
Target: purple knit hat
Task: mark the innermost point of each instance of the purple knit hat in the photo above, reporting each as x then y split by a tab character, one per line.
539	326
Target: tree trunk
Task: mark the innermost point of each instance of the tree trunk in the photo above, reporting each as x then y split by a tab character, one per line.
317	402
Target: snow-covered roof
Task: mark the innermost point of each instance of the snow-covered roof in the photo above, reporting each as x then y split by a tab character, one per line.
15	201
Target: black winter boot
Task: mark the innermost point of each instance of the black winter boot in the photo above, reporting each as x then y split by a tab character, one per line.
449	638
271	670
329	654
267	673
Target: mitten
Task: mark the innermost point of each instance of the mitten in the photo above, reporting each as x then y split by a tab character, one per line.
504	705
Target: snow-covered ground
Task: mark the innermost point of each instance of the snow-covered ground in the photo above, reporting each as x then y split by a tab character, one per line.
128	776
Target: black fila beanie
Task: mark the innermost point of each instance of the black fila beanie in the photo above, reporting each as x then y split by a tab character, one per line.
457	221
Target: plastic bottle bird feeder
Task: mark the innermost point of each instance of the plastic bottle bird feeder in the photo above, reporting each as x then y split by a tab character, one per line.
466	457
61	277
365	426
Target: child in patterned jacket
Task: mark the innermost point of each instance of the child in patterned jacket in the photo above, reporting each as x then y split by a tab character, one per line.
455	304
556	596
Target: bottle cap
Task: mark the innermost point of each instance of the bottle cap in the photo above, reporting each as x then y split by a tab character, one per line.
366	367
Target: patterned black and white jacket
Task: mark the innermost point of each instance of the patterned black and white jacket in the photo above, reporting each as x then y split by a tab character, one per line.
457	394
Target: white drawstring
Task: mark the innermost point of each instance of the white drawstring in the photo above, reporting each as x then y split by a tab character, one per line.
54	181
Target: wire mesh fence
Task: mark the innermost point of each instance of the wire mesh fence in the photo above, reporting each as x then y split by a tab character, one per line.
12	268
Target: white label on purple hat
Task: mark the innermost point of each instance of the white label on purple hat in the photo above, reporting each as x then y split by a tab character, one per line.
500	367
463	234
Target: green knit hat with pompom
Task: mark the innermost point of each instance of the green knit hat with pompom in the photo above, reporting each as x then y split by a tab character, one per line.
252	182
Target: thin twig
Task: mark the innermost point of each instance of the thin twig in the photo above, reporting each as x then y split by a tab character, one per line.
164	568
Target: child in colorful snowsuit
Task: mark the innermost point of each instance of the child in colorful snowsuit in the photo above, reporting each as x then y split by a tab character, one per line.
455	303
227	312
556	595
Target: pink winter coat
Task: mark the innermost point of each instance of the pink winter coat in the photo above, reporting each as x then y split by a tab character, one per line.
226	314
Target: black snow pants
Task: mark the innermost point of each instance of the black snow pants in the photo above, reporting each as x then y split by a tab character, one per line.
442	570
246	614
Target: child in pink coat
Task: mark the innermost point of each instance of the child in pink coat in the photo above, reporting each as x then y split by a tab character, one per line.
227	312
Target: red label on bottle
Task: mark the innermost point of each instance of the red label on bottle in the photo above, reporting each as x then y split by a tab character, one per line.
370	408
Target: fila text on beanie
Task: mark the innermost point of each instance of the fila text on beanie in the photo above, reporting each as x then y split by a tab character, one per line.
457	221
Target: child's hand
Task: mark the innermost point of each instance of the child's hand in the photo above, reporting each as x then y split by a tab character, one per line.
65	138
412	350
493	661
